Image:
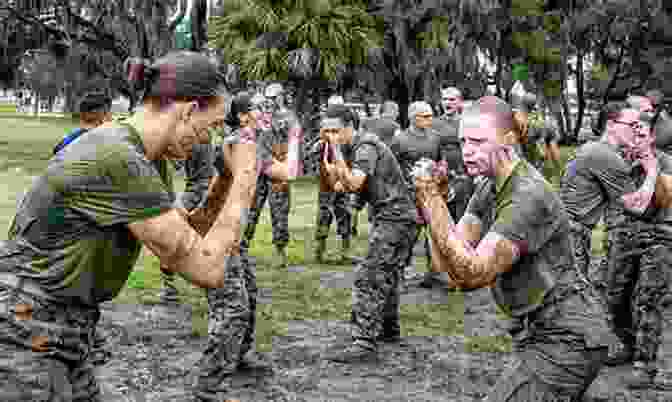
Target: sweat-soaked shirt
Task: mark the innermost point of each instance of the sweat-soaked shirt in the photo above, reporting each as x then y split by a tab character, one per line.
70	231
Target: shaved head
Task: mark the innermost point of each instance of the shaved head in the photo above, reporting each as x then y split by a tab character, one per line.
489	112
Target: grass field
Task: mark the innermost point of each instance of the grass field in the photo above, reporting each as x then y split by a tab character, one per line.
26	147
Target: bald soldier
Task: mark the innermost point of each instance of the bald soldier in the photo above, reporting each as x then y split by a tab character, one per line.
515	239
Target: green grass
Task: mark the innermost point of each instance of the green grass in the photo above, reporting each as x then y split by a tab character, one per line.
26	146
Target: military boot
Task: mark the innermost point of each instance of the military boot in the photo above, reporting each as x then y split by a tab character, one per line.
169	292
320	248
280	259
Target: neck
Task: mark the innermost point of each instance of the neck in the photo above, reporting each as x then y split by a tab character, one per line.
150	128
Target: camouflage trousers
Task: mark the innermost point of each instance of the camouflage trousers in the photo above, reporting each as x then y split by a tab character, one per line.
580	236
637	282
45	349
375	293
231	324
279	203
333	205
561	348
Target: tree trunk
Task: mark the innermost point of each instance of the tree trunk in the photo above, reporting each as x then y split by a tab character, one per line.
581	99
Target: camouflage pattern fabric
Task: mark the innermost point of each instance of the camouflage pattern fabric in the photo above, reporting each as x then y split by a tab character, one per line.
279	202
231	323
333	205
375	293
45	350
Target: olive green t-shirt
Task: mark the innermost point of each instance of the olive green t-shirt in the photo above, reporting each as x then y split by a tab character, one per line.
70	231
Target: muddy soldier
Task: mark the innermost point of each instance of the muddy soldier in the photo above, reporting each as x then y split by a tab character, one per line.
232	307
79	232
638	258
376	174
332	202
515	239
418	142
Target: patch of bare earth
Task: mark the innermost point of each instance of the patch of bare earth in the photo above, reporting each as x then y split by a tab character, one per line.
154	356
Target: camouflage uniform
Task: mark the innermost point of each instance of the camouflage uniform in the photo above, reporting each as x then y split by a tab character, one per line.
231	308
559	329
69	250
199	171
639	252
375	294
277	138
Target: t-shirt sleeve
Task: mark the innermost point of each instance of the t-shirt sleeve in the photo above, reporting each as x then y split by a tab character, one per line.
528	220
118	188
611	171
365	159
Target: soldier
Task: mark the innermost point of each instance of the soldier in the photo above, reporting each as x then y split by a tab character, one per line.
376	173
385	126
232	308
638	256
271	188
94	110
663	122
452	103
514	238
283	124
420	141
79	231
333	202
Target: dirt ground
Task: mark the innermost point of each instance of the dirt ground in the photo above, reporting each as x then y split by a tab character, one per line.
154	355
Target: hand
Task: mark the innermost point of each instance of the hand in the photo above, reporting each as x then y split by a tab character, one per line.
426	187
330	168
185	214
663	196
338	187
648	161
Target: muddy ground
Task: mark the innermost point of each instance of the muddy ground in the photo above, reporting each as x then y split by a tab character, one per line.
154	354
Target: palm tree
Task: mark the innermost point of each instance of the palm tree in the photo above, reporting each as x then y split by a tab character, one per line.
306	42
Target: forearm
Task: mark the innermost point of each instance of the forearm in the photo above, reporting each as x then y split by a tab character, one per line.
459	258
278	171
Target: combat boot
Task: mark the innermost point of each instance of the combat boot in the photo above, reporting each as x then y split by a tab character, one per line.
169	292
320	248
280	259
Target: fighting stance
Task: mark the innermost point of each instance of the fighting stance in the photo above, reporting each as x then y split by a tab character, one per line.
419	141
232	307
332	202
376	174
80	229
515	238
638	256
283	124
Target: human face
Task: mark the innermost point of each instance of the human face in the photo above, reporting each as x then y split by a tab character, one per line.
451	101
336	131
482	145
192	126
423	120
622	129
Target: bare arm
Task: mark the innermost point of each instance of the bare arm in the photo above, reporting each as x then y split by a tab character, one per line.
201	259
472	264
352	181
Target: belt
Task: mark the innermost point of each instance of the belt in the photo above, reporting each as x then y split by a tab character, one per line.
26	285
